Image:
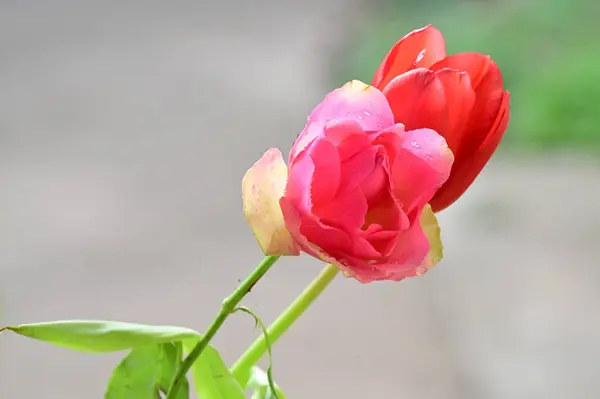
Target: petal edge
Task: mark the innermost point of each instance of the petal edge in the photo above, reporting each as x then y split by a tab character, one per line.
262	187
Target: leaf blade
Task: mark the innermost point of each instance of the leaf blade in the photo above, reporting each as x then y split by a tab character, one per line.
97	336
212	379
144	372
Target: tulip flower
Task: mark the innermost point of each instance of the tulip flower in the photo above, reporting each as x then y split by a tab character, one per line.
460	96
355	191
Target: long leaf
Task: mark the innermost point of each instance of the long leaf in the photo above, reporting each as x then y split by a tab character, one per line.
102	336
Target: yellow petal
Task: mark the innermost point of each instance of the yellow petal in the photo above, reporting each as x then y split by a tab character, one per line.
262	187
431	228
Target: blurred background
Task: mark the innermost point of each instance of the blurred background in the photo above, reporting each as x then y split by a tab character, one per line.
126	127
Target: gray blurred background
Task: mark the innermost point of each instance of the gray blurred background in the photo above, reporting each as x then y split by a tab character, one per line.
126	127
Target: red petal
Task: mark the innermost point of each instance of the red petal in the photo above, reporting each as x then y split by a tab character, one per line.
417	99
475	64
420	48
441	101
486	81
460	100
466	170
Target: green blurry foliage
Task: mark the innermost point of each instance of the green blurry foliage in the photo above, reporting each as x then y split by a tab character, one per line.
548	51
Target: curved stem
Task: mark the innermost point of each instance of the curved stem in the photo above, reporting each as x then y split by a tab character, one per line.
228	306
241	368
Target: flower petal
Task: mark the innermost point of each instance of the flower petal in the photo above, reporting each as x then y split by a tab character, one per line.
262	187
346	212
420	48
420	162
347	136
354	101
418	249
440	100
475	64
325	179
432	231
488	87
410	252
310	234
467	168
431	148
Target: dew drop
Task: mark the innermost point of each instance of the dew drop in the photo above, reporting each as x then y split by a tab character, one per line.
420	56
421	270
414	144
367	113
359	117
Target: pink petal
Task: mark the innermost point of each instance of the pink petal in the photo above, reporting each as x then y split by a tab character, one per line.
297	189
411	250
262	187
385	212
353	101
325	179
432	148
420	163
356	169
346	211
420	48
310	234
348	136
382	241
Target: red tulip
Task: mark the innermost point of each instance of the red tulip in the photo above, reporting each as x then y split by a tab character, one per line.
461	97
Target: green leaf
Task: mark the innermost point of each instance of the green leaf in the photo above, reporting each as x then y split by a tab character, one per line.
212	378
146	372
171	355
259	381
102	336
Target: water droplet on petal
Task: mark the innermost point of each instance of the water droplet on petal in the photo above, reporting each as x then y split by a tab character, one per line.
367	113
414	144
359	117
421	270
420	56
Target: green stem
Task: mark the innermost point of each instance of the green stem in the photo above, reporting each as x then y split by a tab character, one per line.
241	368
228	306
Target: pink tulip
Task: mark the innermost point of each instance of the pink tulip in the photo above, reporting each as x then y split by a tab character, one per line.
355	192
